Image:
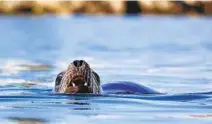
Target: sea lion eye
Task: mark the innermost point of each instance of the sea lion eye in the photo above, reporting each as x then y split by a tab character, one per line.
75	63
80	62
59	78
96	77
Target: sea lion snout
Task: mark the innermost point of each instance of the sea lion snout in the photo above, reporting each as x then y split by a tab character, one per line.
77	78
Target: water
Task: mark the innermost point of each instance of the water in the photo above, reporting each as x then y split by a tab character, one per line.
169	54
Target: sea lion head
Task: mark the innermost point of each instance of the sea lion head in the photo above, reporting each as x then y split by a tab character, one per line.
78	78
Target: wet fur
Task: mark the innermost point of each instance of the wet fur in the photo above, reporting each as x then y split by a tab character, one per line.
64	77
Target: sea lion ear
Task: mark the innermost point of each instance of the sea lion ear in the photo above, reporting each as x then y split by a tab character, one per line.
59	78
97	77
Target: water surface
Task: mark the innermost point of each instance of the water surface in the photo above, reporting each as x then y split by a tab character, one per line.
169	54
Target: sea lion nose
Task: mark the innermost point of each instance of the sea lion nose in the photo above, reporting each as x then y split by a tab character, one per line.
78	63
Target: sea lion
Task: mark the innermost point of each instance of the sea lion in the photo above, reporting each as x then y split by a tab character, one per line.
80	78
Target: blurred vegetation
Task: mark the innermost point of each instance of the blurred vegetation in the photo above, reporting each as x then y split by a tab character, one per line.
39	7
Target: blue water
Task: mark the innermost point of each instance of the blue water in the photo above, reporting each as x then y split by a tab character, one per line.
169	54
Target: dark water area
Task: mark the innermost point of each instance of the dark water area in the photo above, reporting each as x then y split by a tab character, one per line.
170	54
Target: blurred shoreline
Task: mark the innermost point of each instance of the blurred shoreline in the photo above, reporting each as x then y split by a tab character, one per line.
39	7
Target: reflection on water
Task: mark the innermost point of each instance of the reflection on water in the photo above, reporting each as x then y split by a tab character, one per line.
169	54
27	120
